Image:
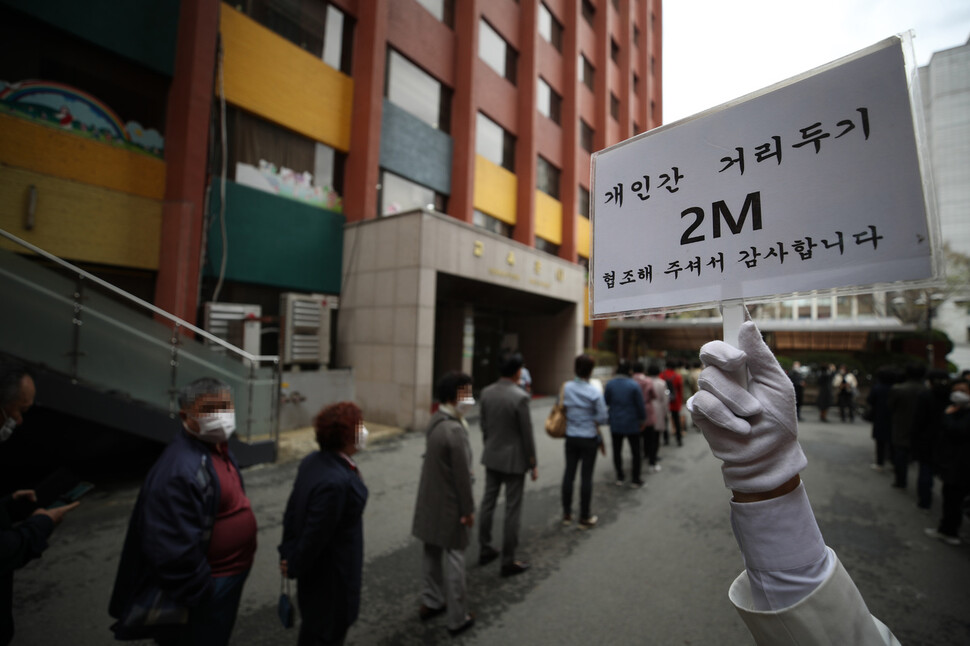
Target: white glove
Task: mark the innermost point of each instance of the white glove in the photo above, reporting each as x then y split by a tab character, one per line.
753	429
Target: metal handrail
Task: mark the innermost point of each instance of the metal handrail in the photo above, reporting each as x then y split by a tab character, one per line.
141	303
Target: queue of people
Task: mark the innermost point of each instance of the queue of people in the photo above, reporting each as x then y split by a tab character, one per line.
924	417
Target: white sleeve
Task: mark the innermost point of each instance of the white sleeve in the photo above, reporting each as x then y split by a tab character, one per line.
783	550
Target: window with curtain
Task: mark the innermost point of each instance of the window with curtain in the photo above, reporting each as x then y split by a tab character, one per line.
550	28
494	143
547	177
497	53
398	195
316	26
549	103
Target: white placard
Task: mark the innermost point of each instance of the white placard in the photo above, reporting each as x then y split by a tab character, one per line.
813	184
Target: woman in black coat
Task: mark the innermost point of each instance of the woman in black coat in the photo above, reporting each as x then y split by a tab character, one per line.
954	463
323	531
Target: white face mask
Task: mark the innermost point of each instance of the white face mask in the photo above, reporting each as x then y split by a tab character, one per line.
959	398
9	425
465	404
360	439
216	428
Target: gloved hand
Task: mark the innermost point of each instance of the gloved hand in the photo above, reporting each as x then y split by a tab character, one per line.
745	407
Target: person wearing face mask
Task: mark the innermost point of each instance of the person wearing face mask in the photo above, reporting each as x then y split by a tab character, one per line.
954	463
323	529
192	535
26	540
445	510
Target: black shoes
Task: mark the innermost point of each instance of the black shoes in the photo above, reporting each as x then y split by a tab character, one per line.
516	567
426	613
469	622
487	555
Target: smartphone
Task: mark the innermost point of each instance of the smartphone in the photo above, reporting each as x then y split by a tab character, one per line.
72	495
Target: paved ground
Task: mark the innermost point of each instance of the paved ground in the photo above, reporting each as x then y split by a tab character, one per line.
655	571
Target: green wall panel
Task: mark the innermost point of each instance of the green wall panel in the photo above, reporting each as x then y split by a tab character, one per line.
144	31
276	241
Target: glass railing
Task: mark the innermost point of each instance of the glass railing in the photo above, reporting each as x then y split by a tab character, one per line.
71	321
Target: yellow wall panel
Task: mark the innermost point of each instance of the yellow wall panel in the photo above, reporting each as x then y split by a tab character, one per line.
495	190
273	78
548	218
31	146
81	222
583	236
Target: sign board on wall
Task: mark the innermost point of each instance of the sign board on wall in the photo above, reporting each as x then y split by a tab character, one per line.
812	184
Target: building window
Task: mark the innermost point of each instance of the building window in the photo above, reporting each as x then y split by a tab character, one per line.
636	83
585	136
411	88
636	128
582	202
262	154
497	53
443	10
550	103
550	28
318	27
636	36
614	106
614	51
549	247
398	195
494	143
547	178
866	304
586	71
487	222
616	4
653	66
589	12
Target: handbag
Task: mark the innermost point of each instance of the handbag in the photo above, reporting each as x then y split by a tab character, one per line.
556	422
285	608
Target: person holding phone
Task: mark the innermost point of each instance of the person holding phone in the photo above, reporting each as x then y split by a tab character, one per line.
22	542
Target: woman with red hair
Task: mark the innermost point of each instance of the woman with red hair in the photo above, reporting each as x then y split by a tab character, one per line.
323	531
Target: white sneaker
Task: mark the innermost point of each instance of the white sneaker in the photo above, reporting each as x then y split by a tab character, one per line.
587	523
949	540
656	468
618	483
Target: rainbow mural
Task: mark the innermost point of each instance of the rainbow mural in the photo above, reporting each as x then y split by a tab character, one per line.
63	106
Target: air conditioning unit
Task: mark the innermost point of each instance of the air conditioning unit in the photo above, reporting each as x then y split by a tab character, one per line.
239	324
305	327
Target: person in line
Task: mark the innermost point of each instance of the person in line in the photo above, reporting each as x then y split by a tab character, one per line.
798	382
954	463
689	380
509	453
525	379
26	540
924	443
628	417
882	423
585	411
793	590
824	398
445	509
661	407
650	413
846	385
323	529
191	539
903	405
676	387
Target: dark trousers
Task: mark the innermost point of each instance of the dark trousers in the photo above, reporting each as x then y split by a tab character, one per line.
634	441
901	465
924	485
953	495
514	486
651	445
210	623
678	431
882	448
846	405
579	449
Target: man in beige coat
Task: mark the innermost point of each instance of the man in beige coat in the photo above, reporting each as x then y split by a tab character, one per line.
444	511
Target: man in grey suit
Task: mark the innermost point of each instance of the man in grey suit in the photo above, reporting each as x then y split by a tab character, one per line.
509	453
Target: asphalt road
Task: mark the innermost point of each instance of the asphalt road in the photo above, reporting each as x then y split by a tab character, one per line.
654	571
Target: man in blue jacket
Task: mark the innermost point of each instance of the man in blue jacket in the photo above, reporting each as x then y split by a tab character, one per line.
192	534
628	416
